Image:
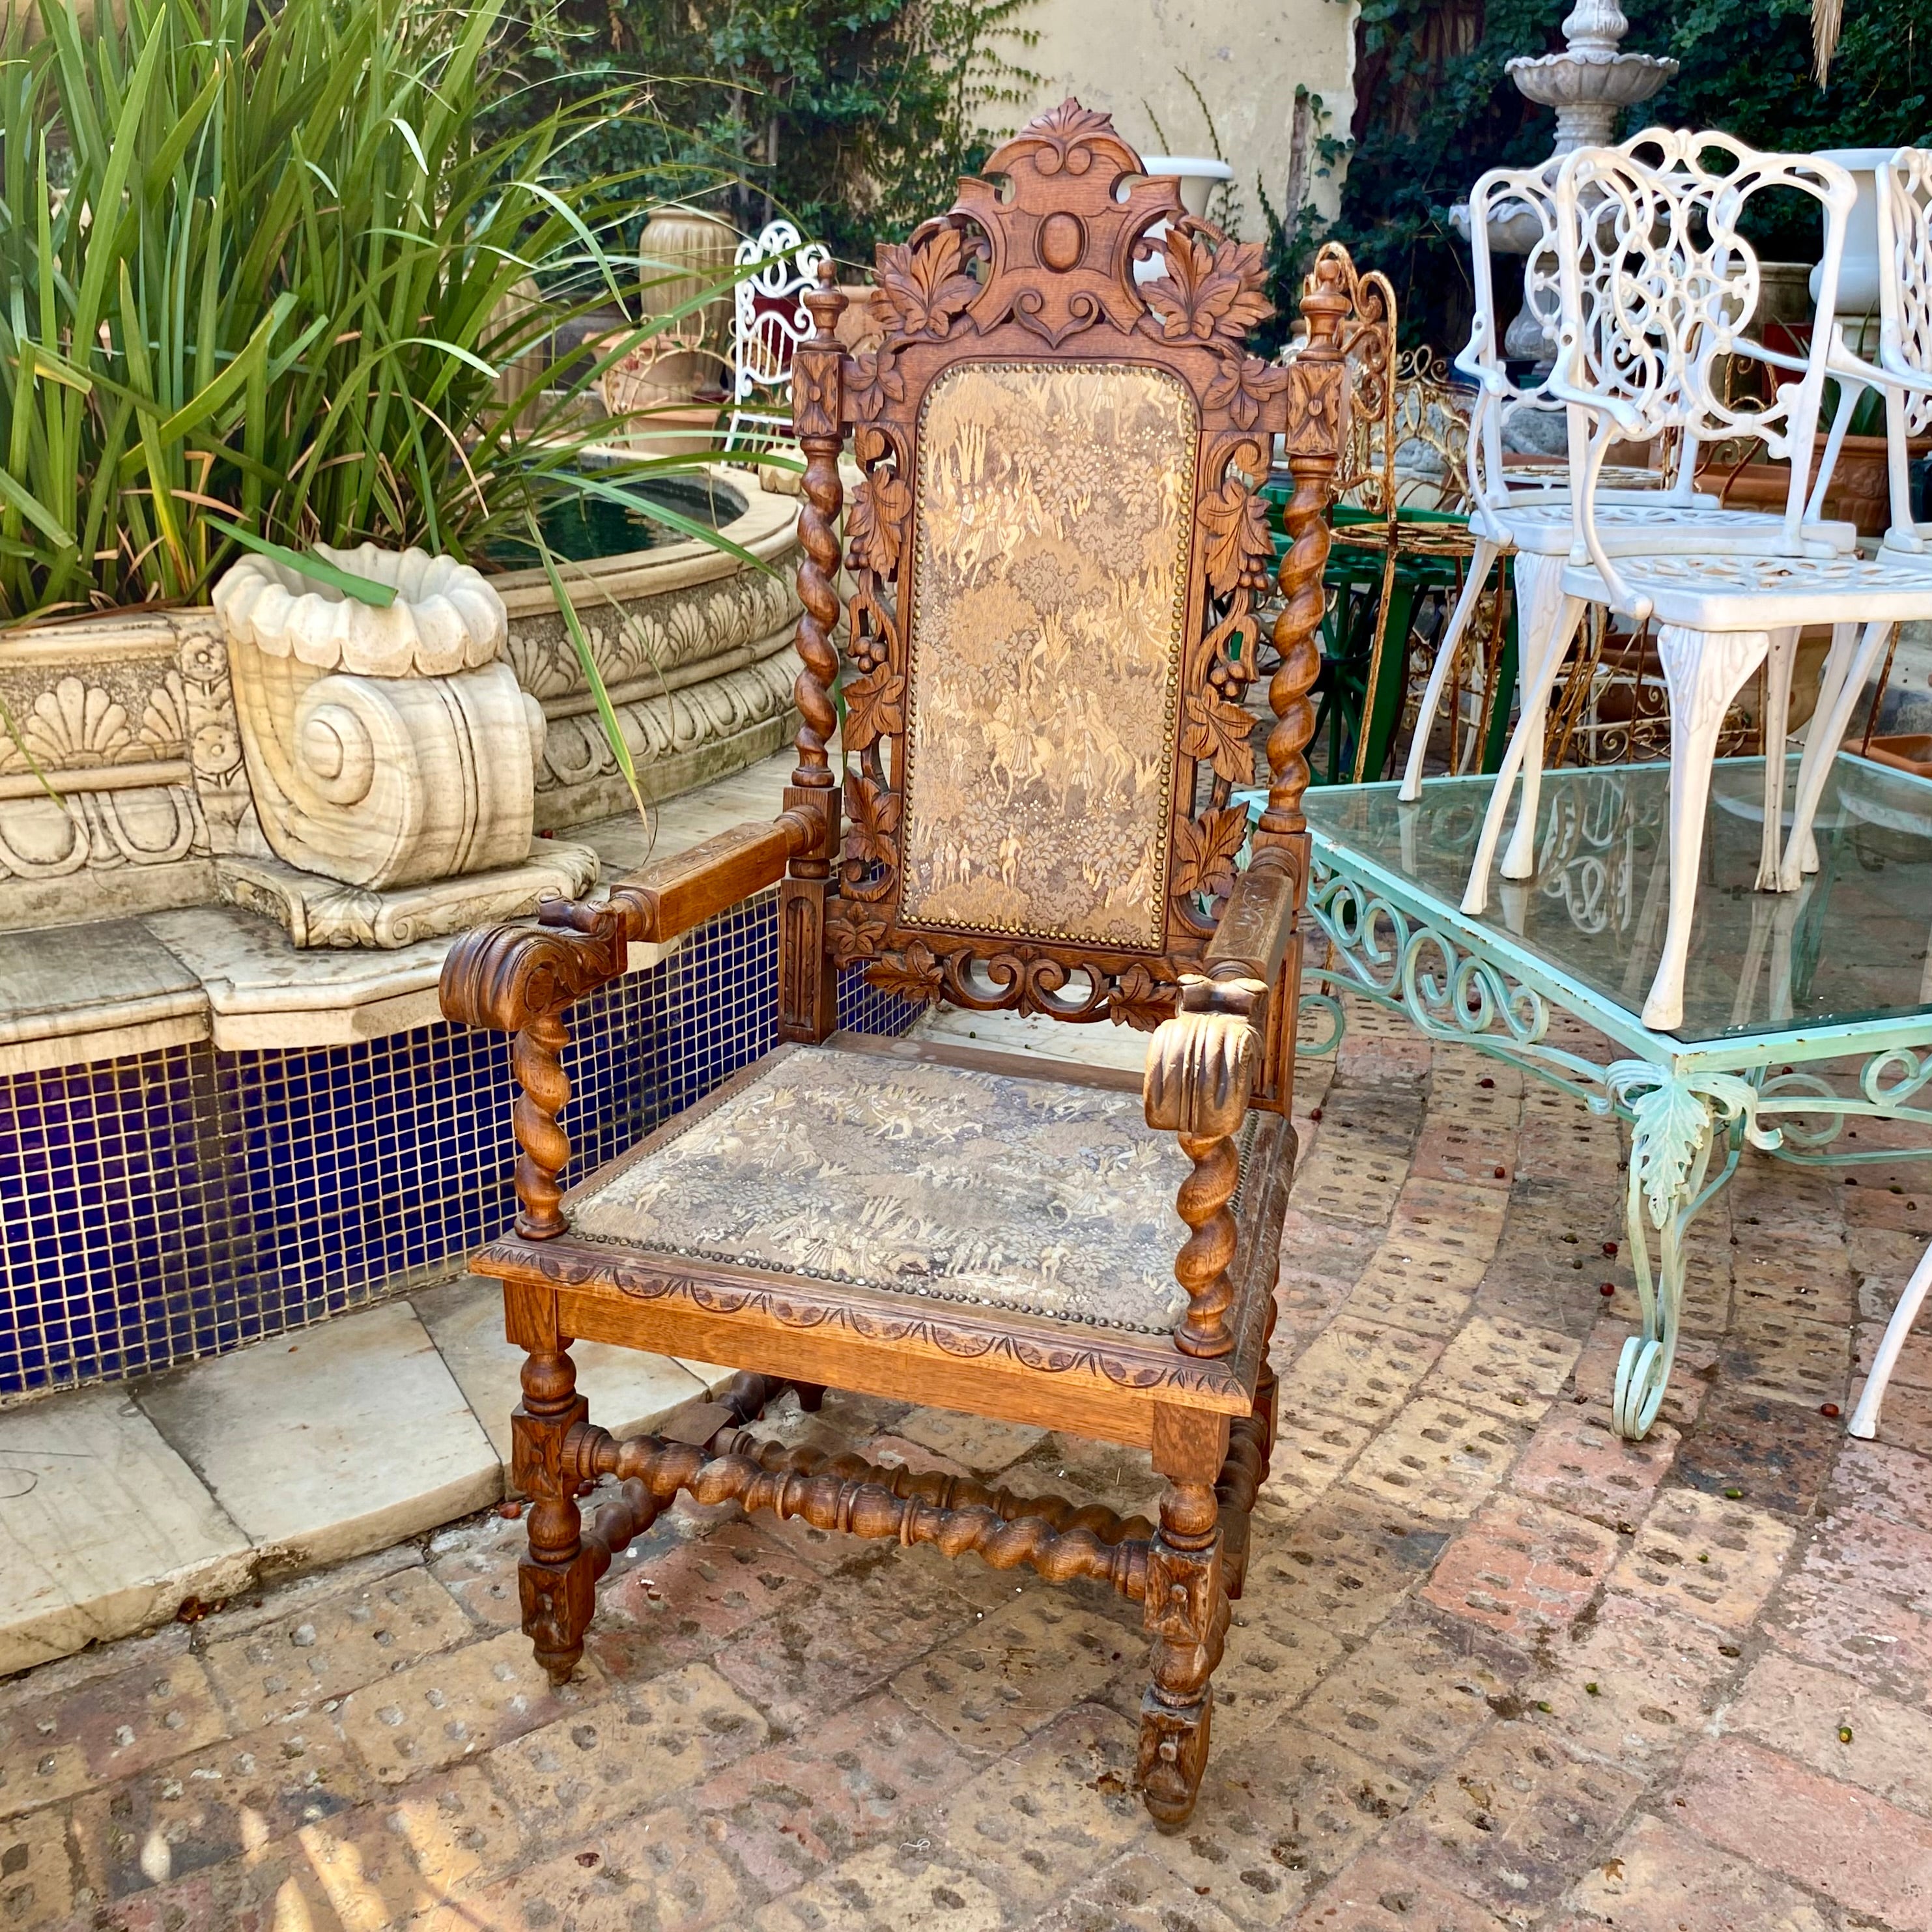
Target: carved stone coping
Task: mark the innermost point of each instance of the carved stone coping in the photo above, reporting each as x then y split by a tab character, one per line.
74	994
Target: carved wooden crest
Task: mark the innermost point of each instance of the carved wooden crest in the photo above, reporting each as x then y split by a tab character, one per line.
1028	287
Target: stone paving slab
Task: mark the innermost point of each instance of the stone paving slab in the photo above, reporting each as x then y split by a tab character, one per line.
104	1529
1493	1669
119	1507
315	1457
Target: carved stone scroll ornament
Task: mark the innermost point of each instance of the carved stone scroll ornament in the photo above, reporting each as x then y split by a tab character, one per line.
388	749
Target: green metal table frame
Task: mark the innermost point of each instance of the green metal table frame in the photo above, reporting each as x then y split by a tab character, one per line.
1692	1104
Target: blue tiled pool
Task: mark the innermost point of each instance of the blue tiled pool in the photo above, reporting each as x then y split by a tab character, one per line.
176	1203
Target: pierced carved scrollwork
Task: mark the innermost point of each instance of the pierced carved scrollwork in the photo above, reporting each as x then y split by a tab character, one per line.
1367	341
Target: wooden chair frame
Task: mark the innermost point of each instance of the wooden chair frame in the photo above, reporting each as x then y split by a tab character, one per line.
1033	264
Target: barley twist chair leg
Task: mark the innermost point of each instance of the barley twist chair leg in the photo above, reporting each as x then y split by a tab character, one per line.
556	1581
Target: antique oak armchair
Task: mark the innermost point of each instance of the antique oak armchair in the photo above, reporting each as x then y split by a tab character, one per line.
1057	550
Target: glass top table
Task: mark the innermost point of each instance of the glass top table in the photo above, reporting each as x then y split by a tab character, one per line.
1802	1010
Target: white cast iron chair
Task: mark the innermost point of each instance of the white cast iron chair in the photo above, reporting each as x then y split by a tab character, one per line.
1603	312
769	320
1905	374
1522	198
1524	515
1657	249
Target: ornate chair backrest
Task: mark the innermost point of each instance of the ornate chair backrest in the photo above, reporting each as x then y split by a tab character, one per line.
1905	319
1055	555
1659	287
1367	478
1521	202
770	319
1428	433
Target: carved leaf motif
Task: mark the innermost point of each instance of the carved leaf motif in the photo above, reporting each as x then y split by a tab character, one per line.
872	821
873	381
1219	732
1317	404
814	386
881	510
1070	122
1205	849
875	708
854	929
914	974
1140	1000
1207	292
1239	549
1243	386
924	284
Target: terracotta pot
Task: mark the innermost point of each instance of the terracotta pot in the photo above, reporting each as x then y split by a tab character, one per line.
1910	752
1861	491
683	252
522	374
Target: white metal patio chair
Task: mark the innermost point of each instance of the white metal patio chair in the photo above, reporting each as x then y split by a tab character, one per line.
1905	356
1904	374
1617	355
1656	249
769	320
1523	514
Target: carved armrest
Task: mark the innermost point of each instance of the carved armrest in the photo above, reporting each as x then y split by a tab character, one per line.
1258	922
504	977
1201	1069
519	979
675	895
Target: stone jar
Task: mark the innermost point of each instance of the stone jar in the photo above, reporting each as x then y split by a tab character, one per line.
385	747
681	253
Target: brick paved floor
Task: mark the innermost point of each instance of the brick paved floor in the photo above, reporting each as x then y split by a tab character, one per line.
1493	1668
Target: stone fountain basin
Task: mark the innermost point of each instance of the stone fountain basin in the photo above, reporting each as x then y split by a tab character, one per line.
694	648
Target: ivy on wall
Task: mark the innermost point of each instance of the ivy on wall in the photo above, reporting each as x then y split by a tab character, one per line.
854	117
1434	108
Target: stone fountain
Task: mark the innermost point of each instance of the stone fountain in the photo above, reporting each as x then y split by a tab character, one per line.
1589	84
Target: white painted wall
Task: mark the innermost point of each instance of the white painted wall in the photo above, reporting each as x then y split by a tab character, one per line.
1127	58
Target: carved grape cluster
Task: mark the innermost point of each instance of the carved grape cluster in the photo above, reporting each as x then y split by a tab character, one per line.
868	653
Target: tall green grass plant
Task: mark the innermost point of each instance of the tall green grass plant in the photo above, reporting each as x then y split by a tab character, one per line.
262	269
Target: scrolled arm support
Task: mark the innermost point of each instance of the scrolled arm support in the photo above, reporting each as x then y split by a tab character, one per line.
522	979
1200	1072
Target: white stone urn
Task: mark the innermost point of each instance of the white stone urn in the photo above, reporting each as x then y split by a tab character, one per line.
388	749
1197	176
1858	270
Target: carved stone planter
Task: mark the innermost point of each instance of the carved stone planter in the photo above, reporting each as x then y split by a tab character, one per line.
390	754
132	717
128	719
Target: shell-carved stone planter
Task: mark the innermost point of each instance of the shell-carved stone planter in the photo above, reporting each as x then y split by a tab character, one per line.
390	753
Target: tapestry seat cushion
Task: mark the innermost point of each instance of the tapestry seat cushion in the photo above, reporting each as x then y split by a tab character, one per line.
992	1189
